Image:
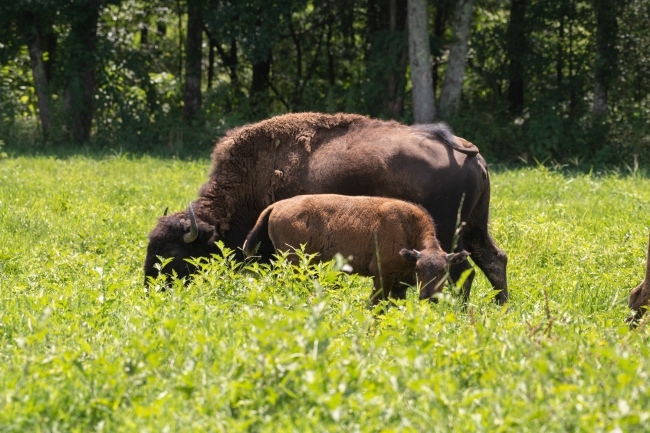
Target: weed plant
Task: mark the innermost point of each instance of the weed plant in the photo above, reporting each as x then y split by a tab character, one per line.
250	347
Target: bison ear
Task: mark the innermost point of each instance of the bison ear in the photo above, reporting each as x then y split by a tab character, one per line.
409	255
456	258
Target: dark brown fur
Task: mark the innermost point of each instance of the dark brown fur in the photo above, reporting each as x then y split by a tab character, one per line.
313	153
640	297
382	235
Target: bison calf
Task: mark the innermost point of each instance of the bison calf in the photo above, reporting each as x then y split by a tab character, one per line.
640	297
389	240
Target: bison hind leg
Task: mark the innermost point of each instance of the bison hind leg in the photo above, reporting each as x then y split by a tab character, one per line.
490	259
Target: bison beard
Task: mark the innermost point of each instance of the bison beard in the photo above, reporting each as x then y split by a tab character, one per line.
348	154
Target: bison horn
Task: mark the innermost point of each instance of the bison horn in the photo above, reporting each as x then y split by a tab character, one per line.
194	230
449	256
166	209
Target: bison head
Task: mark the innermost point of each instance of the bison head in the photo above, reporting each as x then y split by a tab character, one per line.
431	266
179	237
640	297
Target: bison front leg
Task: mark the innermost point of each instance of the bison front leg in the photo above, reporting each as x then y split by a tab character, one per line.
398	291
456	272
381	289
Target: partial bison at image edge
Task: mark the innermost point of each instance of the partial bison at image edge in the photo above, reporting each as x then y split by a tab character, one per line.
347	154
380	234
639	300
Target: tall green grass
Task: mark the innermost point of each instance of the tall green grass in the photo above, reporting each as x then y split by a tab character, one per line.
246	347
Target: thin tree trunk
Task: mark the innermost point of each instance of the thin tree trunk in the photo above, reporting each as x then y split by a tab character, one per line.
516	46
180	38
49	43
424	110
210	62
193	54
452	86
80	70
371	26
438	30
559	67
330	55
234	79
41	84
144	35
606	53
296	42
394	104
229	60
296	99
573	103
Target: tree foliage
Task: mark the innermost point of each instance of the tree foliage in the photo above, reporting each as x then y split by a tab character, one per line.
115	73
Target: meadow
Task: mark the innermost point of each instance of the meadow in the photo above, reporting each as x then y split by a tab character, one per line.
246	347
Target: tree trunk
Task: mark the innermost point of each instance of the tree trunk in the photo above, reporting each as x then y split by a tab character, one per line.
452	87
260	86
516	47
394	104
161	29
41	83
80	69
442	12
424	110
180	38
192	96
261	72
606	53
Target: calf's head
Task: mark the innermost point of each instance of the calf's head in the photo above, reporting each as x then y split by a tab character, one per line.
179	236
640	297
431	267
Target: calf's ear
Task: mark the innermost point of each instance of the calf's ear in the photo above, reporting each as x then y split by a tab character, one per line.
456	258
410	255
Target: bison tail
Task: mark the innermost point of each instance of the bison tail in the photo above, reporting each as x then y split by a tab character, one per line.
261	227
443	132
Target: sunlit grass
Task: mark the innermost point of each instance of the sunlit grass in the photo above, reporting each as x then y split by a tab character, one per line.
250	347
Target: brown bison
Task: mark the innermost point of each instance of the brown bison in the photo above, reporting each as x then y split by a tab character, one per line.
381	234
640	297
348	154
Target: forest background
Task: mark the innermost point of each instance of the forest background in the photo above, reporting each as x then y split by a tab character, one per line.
525	80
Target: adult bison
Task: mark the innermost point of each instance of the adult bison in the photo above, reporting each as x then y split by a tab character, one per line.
313	153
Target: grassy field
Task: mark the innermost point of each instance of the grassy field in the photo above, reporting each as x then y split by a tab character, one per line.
83	348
